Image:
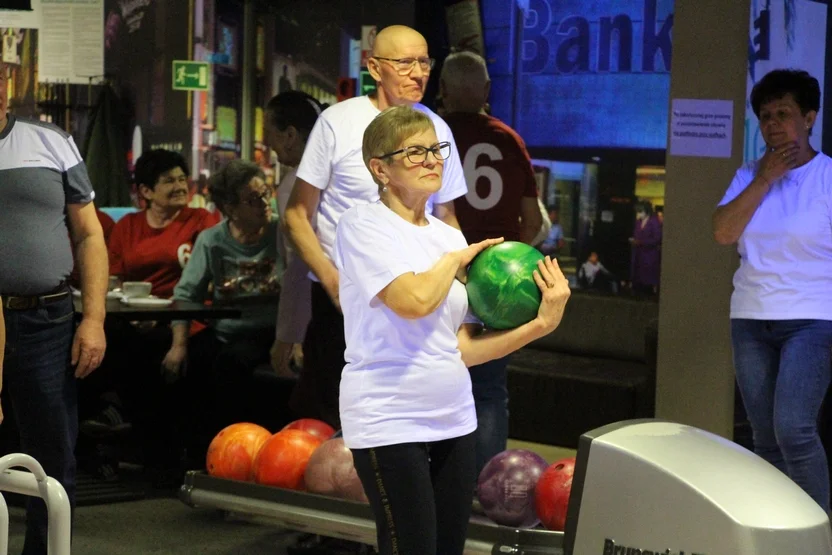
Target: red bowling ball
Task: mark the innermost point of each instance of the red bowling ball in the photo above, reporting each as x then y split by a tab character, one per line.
315	427
551	495
282	460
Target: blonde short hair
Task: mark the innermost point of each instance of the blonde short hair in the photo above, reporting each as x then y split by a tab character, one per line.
389	130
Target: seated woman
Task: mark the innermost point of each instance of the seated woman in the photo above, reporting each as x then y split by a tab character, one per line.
151	245
154	244
239	257
407	411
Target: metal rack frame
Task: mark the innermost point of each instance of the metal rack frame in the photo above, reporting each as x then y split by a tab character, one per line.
35	483
347	520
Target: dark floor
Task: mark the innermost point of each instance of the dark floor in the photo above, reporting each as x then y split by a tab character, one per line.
161	525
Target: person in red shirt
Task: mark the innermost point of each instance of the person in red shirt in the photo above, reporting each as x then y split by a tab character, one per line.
502	191
501	202
154	244
151	245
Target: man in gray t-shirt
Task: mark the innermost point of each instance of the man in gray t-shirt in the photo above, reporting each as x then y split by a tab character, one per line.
46	210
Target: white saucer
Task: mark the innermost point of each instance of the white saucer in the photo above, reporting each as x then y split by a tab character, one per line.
146	302
110	294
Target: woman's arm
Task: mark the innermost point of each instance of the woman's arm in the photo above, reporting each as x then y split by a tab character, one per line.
477	347
417	295
730	220
192	286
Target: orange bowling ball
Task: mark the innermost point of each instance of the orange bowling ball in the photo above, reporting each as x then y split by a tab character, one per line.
315	427
551	496
232	451
282	460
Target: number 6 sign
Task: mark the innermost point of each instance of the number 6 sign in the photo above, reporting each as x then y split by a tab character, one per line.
473	173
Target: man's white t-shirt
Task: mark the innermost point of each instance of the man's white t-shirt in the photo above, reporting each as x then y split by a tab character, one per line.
333	162
404	380
785	270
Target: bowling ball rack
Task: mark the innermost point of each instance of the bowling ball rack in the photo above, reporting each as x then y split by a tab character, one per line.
346	520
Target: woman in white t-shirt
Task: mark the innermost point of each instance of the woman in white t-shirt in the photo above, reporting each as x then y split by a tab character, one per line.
407	411
778	210
289	118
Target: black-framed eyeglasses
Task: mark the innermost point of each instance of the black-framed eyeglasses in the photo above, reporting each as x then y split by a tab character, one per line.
405	65
418	154
258	200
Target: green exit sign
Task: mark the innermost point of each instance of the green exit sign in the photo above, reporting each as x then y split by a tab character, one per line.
190	76
366	83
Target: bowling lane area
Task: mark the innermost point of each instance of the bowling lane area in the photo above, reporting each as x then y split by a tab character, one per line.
639	487
161	523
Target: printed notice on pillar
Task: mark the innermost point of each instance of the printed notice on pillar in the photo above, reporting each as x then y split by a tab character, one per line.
72	43
701	128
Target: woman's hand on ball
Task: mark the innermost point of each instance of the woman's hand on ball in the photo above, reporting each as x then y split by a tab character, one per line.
467	255
555	291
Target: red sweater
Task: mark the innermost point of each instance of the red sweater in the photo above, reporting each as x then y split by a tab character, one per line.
139	252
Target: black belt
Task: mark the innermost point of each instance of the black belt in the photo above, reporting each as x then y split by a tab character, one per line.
22	302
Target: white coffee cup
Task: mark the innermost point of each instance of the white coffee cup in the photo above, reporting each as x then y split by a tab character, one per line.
136	289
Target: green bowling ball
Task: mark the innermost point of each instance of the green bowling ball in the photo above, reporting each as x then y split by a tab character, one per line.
501	288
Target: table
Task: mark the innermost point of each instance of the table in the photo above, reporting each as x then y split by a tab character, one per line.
179	310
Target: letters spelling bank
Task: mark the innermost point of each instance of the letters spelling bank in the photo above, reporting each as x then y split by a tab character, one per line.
609	60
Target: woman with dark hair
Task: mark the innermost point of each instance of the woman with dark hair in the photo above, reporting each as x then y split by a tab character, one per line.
778	210
239	258
154	244
151	245
290	117
645	256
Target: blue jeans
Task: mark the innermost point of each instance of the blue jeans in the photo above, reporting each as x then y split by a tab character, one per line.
783	370
488	382
42	389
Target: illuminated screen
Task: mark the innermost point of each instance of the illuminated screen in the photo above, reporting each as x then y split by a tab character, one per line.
592	74
784	34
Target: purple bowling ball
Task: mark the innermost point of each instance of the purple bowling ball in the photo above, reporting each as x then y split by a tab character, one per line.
506	487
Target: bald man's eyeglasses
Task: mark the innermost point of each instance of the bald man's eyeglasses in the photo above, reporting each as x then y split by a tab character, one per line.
406	65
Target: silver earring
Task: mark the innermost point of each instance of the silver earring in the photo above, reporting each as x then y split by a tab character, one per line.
384	189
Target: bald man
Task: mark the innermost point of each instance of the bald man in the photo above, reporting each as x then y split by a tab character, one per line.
501	202
331	179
